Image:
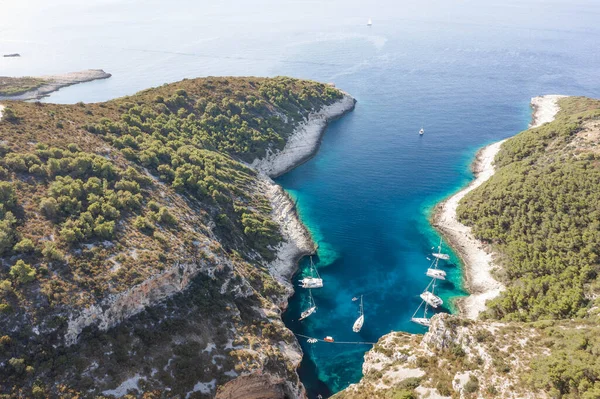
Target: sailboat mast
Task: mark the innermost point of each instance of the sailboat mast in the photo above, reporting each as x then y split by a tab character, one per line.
361	306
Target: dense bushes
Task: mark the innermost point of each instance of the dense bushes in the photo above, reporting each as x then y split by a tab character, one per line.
540	211
572	369
8	221
187	140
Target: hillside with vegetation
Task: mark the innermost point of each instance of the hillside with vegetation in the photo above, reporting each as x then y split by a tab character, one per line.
540	213
98	199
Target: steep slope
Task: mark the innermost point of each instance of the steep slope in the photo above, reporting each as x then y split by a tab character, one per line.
539	338
139	250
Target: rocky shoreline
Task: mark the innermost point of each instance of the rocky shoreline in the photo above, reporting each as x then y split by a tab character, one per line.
304	142
302	145
476	255
53	83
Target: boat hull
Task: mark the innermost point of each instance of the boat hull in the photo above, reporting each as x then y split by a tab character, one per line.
422	321
358	324
436	273
442	256
311	282
307	313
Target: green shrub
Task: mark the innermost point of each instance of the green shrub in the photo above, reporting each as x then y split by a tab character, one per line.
472	385
51	252
22	273
24	246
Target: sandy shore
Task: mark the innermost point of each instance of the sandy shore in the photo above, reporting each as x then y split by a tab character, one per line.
56	82
475	255
1	108
301	146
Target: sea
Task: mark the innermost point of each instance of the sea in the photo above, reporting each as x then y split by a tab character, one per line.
464	70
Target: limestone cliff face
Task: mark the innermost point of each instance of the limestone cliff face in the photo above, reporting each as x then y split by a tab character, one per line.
116	308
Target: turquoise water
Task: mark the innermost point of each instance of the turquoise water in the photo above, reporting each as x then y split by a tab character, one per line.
464	70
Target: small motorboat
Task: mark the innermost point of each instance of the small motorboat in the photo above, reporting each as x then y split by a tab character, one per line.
421	132
328	339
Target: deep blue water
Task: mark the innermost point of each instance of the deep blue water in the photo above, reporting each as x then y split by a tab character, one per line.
464	70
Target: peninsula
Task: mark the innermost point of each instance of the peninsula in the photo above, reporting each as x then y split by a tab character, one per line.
527	232
34	88
137	225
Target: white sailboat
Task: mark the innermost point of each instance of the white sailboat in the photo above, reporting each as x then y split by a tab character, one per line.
424	321
429	297
312	282
369	22
358	324
434	272
439	253
311	309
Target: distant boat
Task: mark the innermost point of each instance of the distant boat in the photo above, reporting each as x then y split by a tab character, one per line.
369	22
358	324
421	132
312	282
311	309
328	339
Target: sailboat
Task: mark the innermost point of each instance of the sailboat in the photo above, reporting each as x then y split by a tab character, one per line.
439	253
429	297
421	132
424	321
312	282
434	272
358	324
311	309
369	22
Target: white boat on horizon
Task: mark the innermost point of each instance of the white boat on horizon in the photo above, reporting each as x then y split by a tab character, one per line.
358	324
369	22
312	282
421	132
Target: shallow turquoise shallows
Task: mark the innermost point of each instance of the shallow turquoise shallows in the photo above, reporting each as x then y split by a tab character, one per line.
465	71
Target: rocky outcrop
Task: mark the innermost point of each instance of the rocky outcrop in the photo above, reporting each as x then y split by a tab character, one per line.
253	386
297	241
457	357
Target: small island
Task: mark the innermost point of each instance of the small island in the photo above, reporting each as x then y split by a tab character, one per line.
35	88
